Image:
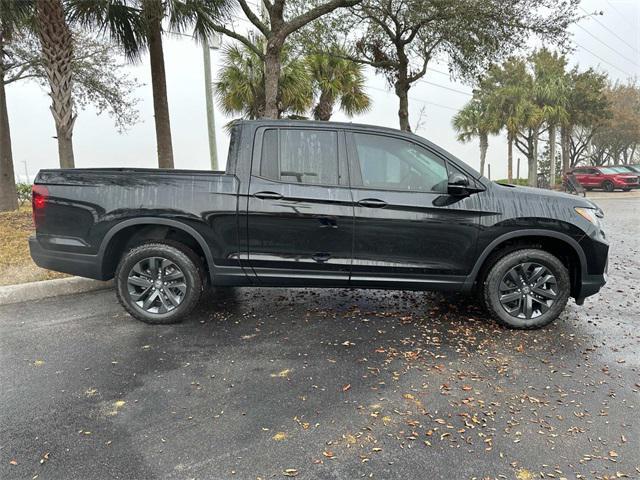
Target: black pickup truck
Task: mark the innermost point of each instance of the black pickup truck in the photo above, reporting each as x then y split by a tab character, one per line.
320	204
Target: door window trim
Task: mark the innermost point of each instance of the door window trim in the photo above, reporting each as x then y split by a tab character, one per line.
355	169
343	167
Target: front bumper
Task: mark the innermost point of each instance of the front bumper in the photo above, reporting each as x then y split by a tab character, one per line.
80	264
590	285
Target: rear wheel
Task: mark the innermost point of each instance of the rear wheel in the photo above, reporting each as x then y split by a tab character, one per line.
159	282
527	289
608	186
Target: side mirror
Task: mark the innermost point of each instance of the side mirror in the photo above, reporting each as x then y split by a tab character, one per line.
458	185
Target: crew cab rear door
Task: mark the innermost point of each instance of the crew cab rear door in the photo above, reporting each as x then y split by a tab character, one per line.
299	208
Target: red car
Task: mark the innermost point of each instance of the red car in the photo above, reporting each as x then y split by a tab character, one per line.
606	178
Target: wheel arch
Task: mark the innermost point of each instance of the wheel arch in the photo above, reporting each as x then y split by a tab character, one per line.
551	241
148	228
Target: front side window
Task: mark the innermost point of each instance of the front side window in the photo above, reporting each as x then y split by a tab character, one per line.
394	164
300	156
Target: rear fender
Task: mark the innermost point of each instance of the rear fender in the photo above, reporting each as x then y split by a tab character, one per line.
160	222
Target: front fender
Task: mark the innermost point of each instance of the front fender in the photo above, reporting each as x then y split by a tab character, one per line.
572	243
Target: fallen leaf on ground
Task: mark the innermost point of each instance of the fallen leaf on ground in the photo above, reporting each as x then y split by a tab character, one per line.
524	474
279	436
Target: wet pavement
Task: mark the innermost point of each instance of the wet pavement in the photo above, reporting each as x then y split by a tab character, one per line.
326	384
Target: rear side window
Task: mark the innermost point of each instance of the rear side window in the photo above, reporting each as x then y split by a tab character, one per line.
300	156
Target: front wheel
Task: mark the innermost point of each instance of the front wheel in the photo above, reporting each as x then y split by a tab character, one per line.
527	289
159	282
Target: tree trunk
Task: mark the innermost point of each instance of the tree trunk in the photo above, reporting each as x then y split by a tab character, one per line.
57	51
484	145
532	159
272	69
324	109
510	157
402	87
8	195
565	134
552	155
402	91
153	13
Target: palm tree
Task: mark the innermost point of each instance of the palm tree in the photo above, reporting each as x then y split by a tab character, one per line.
475	120
551	92
336	78
12	16
506	90
57	52
240	84
137	25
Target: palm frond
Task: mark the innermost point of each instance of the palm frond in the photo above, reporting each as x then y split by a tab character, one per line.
121	20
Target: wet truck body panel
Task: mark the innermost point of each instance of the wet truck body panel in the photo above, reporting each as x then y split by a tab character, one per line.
316	204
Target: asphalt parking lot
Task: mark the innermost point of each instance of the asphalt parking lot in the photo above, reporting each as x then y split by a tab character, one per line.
326	384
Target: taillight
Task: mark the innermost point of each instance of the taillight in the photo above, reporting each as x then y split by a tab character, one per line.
39	195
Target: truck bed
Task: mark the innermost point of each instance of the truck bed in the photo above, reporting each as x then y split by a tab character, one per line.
83	205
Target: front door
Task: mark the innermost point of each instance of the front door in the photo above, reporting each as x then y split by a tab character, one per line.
300	210
408	231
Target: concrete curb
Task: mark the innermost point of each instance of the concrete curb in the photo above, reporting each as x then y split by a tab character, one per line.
25	292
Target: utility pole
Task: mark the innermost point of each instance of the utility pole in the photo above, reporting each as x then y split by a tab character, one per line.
26	172
211	121
518	171
489	170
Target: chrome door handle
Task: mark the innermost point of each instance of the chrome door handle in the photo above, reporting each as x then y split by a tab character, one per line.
372	203
321	257
268	195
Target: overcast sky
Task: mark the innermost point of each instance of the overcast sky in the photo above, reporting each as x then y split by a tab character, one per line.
610	43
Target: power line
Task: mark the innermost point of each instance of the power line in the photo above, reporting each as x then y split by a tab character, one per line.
416	99
633	28
446	88
607	45
603	60
611	31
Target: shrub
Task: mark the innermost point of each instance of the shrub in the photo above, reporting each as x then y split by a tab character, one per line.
24	193
515	181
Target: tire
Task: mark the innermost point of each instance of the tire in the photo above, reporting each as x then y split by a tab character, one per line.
500	284
608	186
588	189
180	287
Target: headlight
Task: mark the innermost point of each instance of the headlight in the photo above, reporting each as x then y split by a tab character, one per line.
592	215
